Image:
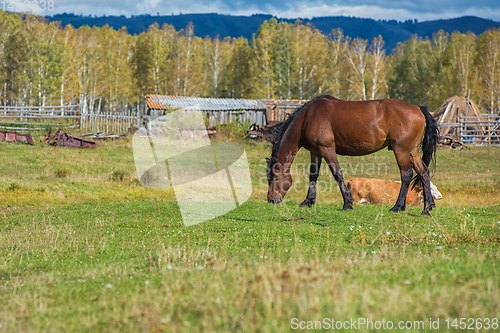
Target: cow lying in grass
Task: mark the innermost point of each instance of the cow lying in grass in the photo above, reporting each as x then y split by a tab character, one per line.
378	191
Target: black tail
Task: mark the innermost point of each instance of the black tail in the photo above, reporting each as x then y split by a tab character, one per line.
431	137
429	143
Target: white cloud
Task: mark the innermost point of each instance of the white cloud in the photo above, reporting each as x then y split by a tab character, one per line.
377	12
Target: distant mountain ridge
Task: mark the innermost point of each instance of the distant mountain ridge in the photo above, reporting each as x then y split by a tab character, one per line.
236	26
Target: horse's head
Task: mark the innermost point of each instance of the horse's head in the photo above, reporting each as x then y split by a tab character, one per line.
279	181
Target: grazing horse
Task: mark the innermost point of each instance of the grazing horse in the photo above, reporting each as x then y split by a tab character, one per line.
327	126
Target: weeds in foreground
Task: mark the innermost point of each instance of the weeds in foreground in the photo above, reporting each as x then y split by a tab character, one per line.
62	172
119	175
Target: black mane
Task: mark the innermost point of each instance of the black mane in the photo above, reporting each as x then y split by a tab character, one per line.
280	129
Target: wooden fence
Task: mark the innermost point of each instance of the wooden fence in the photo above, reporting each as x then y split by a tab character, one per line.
109	122
248	116
38	118
473	130
479	131
277	110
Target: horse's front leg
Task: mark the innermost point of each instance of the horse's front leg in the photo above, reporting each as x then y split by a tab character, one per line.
313	177
330	157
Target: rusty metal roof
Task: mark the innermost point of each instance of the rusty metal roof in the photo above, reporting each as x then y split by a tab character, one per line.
162	102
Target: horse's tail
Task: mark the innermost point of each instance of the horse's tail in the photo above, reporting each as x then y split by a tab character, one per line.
430	140
431	137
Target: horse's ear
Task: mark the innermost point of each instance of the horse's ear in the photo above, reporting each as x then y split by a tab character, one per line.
268	160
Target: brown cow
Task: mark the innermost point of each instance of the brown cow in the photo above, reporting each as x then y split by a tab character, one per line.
379	191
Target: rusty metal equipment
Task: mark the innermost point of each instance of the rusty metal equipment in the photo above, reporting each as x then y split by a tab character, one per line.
258	133
68	140
16	137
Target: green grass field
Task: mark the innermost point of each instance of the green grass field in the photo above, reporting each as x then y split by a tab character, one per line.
84	248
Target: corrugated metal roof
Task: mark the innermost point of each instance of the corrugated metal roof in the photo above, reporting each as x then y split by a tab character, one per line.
162	102
286	102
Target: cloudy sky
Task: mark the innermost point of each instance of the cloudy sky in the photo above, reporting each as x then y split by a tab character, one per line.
378	9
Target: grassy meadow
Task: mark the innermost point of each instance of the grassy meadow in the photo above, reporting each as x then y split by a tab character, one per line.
84	248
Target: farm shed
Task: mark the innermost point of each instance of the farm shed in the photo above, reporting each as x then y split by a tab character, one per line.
459	119
218	110
449	113
277	109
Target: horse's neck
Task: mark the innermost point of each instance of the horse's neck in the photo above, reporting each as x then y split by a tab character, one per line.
288	149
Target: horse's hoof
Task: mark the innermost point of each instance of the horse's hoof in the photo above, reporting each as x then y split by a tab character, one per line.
396	209
305	204
348	207
427	209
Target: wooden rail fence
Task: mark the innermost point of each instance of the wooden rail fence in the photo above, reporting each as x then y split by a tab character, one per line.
479	131
40	118
472	130
108	122
483	130
37	118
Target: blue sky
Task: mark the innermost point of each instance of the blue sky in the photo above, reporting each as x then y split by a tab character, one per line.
422	10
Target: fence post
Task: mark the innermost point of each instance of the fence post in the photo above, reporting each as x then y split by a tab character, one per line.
460	128
79	120
489	129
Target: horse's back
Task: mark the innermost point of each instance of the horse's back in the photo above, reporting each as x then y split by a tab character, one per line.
358	127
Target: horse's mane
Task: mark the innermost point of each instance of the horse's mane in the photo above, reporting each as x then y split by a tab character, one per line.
280	129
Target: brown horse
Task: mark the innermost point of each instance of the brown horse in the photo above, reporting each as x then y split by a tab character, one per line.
327	126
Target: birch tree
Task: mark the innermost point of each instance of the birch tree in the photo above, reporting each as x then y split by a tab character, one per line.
336	77
262	62
11	57
463	52
377	68
217	56
90	64
310	51
489	68
357	57
186	64
282	61
238	73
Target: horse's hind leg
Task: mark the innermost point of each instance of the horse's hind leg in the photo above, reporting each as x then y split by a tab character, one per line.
331	159
313	177
403	159
423	174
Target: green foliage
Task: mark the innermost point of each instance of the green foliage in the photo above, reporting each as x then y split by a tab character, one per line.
235	131
103	68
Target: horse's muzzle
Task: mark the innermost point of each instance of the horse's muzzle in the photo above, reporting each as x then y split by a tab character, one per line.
275	201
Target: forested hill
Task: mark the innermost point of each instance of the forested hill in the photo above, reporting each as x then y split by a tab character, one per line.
236	26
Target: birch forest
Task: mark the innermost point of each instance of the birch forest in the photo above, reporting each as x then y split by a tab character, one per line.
44	64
